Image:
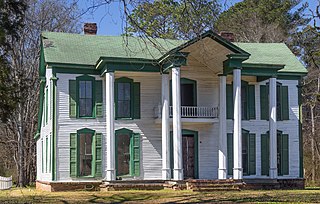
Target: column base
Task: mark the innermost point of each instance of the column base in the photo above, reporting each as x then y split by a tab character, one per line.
273	172
222	173
177	174
166	174
111	175
237	173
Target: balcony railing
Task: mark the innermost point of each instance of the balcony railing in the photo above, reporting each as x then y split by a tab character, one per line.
192	112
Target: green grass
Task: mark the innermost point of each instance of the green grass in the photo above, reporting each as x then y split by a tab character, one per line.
30	195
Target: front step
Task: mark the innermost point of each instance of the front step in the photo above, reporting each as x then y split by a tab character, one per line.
132	185
214	185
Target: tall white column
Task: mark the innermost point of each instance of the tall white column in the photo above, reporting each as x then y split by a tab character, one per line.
176	118
166	172
222	174
273	127
111	173
237	142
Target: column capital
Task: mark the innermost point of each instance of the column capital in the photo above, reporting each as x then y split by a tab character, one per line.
172	60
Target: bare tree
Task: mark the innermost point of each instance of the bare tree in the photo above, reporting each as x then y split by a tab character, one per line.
18	132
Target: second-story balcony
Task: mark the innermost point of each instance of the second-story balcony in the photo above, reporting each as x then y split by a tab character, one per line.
192	114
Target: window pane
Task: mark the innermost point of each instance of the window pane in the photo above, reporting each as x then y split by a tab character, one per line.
88	107
127	91
82	89
88	89
124	100
85	153
82	107
120	91
123	108
85	98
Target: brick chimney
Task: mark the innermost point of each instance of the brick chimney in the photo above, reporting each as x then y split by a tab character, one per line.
227	35
90	29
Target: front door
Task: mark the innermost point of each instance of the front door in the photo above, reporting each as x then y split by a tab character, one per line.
123	154
188	155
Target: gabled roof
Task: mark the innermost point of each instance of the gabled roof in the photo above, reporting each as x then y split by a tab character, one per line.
87	49
273	53
80	49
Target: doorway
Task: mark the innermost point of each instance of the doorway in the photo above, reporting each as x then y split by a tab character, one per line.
189	154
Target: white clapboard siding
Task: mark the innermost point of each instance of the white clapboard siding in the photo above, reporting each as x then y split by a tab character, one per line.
46	131
5	182
290	127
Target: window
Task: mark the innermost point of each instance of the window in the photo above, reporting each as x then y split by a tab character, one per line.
282	154
248	153
85	153
282	102
248	110
127	153
127	98
85	97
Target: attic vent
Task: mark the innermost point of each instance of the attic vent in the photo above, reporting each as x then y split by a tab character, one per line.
90	29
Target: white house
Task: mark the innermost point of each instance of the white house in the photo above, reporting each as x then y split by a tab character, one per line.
114	107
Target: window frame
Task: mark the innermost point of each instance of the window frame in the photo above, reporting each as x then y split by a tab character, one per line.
93	152
124	80
131	134
78	80
279	99
245	113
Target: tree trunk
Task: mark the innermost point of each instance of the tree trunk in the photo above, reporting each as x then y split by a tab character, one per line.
313	166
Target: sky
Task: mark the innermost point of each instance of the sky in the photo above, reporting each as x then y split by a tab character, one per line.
110	20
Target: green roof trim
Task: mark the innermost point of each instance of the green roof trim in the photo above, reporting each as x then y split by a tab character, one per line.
66	50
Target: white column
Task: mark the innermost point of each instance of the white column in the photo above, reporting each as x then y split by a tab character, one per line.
111	173
166	172
273	127
176	118
222	174
237	143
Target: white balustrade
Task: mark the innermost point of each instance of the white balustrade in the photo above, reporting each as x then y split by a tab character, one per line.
191	112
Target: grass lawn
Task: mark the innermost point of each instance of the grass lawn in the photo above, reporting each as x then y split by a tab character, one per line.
30	195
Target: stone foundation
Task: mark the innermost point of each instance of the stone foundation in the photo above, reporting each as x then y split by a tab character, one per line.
68	186
195	185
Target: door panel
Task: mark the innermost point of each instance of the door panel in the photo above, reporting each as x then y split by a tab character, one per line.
123	154
188	152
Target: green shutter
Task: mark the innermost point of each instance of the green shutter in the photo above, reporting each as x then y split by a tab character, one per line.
72	98
136	100
284	103
73	154
98	155
99	100
229	94
251	102
264	102
230	153
135	154
265	154
252	154
285	154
